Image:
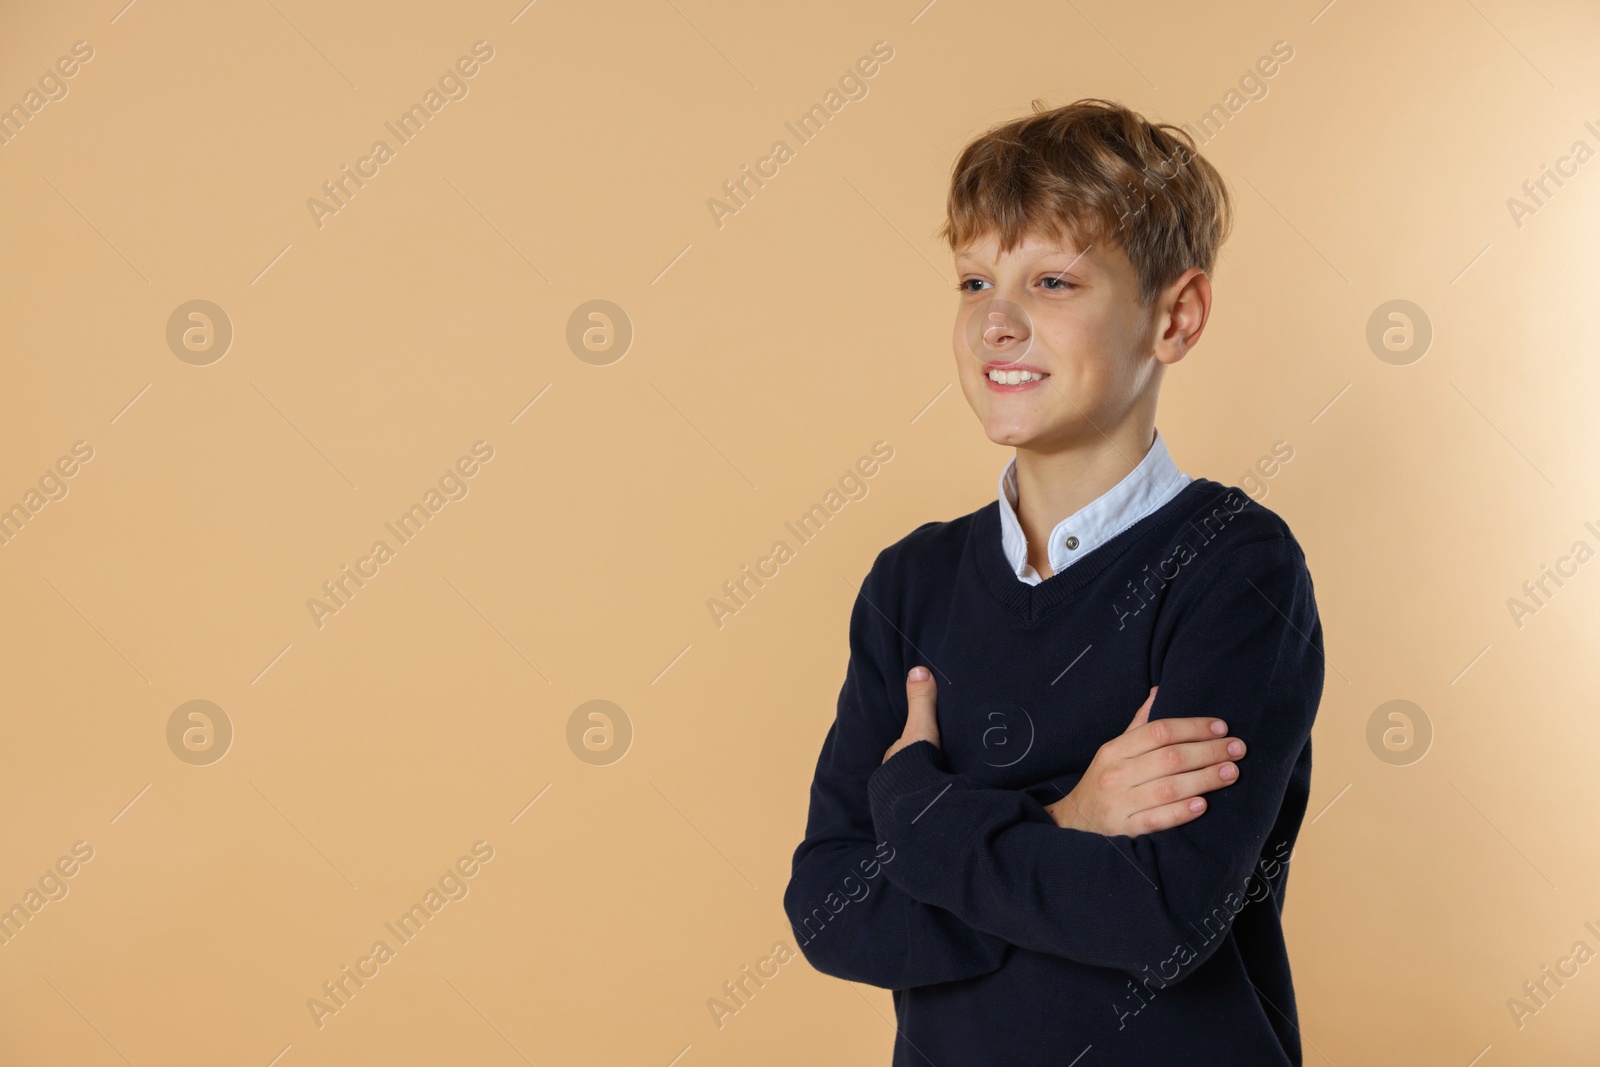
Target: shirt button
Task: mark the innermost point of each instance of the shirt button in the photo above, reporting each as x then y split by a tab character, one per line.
1071	542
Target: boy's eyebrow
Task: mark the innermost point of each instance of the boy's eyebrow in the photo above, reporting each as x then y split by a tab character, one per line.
1042	252
1077	257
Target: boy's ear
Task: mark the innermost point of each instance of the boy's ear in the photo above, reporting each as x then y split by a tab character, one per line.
1183	308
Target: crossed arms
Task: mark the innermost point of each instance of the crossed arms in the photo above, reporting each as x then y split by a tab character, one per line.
910	875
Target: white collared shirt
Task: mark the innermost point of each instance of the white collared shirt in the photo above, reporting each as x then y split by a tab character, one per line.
1151	484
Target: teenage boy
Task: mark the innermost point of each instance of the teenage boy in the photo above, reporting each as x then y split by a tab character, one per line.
1035	876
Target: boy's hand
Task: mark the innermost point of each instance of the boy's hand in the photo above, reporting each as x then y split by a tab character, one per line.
1142	781
1151	776
921	722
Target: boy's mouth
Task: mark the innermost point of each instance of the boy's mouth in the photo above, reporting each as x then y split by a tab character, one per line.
1012	378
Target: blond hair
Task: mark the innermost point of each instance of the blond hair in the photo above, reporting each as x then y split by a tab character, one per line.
1103	174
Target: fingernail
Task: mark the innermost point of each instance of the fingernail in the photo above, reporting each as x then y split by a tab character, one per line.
1235	748
918	674
1229	772
1196	804
1219	727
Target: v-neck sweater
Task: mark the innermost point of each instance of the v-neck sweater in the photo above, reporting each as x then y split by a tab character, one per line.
940	875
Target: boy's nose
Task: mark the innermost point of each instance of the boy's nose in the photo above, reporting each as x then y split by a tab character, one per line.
998	330
1002	330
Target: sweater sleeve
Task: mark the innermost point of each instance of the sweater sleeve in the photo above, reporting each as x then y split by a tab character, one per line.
1247	648
849	920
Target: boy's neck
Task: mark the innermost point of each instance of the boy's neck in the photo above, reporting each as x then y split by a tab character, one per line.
1053	485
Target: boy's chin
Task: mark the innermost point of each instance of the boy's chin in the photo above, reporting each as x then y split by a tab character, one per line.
1016	433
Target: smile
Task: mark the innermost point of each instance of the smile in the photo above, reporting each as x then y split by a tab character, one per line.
1013	380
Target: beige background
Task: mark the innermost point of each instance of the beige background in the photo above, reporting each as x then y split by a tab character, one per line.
768	355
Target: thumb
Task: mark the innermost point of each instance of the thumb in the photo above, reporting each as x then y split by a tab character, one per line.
921	696
1142	716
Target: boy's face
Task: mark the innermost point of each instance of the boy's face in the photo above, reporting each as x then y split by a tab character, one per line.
1069	314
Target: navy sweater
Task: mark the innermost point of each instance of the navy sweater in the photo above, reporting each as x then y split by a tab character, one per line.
940	875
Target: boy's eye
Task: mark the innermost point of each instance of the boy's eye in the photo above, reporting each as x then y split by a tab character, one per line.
1052	282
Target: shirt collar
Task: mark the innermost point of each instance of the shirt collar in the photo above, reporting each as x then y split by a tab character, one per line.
1149	485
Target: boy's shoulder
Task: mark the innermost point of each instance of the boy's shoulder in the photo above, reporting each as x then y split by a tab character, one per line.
933	544
1247	519
1221	529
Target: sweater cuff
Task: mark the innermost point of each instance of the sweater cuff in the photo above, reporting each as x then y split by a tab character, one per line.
919	767
914	767
913	783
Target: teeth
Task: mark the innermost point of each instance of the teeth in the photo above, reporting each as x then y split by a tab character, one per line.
1015	377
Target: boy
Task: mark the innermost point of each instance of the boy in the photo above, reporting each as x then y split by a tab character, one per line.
1035	876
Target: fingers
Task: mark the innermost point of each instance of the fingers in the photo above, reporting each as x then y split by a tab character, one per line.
1138	740
1175	759
1179	788
1163	817
1142	716
922	720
